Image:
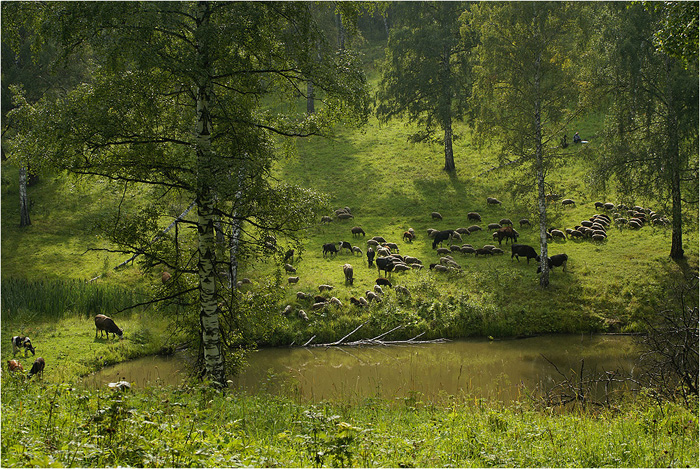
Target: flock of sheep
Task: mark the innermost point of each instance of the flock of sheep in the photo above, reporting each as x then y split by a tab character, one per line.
386	257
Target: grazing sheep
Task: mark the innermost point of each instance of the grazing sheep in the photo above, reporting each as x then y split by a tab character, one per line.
378	289
431	232
392	247
379	239
356	249
524	221
505	221
401	267
403	290
598	237
104	323
324	287
165	277
599	205
335	302
441	251
576	234
490	247
441	236
568	202
37	368
345	216
438	268
411	260
467	250
302	315
383	252
347	270
292	280
435	216
344	245
455	248
22	342
290	269
474	228
408	236
483	252
523	250
14	365
492	201
303	296
287	310
330	248
463	231
326	219
385	264
319	305
496	251
289	256
554	261
557	234
357	231
609	206
371	296
473	216
507	232
320	299
383	281
358	301
634	223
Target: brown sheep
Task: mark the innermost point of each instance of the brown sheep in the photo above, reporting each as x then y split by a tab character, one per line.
105	323
347	270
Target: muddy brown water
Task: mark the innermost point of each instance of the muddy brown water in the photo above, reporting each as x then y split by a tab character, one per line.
500	370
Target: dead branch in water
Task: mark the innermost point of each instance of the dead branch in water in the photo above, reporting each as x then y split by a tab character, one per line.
375	340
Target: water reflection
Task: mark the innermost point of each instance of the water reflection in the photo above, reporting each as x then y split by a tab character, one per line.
498	370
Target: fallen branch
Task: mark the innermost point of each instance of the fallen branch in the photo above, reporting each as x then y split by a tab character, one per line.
376	340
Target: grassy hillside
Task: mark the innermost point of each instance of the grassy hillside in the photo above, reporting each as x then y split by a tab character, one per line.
392	185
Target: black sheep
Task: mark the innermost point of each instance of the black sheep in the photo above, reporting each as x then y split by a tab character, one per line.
385	264
524	250
554	261
441	236
330	248
370	256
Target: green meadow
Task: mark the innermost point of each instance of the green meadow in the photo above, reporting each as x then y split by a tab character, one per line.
57	273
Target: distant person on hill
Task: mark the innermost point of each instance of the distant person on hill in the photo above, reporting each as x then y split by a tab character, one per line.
577	138
564	143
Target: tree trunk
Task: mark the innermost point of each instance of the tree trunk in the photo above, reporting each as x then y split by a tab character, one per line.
449	155
541	200
674	159
209	311
341	31
23	198
235	233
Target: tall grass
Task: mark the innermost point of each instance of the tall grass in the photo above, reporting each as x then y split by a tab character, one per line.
56	299
48	425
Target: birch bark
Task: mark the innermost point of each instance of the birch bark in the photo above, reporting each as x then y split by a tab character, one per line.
209	311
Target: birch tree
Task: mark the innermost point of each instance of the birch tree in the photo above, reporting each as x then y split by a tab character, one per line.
426	70
525	87
177	108
651	132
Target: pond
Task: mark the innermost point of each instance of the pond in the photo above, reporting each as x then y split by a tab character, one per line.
499	370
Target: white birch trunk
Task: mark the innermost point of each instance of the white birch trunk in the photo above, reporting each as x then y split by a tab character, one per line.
209	311
539	162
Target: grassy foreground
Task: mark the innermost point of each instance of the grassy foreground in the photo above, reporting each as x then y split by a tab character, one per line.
55	425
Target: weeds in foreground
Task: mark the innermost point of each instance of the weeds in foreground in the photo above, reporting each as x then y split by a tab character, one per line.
63	424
